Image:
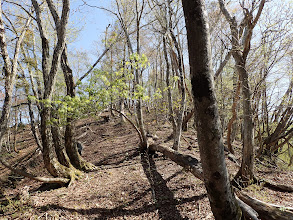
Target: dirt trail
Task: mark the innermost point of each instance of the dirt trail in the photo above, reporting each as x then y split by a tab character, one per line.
126	186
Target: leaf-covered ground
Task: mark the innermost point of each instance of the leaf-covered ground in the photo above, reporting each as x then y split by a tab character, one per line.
127	184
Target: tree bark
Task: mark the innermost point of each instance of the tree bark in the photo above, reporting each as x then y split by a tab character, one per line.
49	74
222	200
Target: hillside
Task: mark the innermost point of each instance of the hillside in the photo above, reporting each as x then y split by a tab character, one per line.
127	184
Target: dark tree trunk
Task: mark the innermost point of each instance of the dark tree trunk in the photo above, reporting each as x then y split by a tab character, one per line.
70	144
222	200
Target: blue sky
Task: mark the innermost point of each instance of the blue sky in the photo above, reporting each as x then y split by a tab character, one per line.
92	22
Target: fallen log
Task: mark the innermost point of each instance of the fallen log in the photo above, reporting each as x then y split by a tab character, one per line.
265	210
251	207
188	162
278	187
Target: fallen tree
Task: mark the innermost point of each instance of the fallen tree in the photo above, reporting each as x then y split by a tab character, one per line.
251	207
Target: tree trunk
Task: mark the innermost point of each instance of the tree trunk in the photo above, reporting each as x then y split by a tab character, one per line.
178	67
222	200
49	75
138	72
234	117
240	53
169	95
70	144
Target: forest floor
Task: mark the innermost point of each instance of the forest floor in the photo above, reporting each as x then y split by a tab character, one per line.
127	185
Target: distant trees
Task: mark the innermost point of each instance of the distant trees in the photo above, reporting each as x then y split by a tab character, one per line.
143	66
10	64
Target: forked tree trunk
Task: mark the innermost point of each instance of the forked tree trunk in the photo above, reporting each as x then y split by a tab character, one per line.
49	73
217	183
240	53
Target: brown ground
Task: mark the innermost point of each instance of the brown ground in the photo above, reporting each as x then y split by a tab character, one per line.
126	186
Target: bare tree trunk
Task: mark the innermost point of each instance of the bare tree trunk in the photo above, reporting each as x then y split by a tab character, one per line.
138	72
234	117
30	108
169	95
178	66
247	164
222	200
240	55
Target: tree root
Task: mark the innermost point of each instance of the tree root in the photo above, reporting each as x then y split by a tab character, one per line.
87	166
61	181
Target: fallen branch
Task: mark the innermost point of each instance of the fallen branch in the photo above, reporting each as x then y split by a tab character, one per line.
188	162
61	181
265	210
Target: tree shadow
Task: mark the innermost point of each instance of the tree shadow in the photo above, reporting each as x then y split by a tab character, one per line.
118	158
162	195
122	210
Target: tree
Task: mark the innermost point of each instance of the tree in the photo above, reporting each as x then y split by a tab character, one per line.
56	168
240	52
9	68
217	183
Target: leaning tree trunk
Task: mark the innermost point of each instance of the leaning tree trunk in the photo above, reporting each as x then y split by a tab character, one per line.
222	200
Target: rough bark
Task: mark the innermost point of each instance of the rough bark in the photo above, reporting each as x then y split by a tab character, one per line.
49	74
222	200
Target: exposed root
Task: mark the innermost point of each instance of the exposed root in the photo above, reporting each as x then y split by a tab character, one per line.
62	181
87	166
